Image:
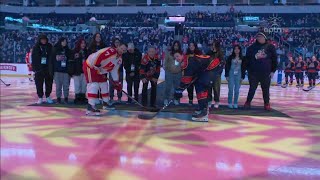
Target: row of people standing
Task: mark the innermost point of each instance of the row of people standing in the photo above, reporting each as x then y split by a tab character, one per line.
60	63
298	67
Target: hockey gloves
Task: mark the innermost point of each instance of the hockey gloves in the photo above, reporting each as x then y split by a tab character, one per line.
117	85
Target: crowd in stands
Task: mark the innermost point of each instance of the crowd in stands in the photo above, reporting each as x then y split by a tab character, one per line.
141	37
286	20
15	44
208	17
303	40
119	20
196	19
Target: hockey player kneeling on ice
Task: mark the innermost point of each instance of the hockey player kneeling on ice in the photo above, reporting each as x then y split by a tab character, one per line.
204	69
106	60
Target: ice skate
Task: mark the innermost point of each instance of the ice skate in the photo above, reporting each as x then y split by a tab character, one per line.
200	117
108	106
92	111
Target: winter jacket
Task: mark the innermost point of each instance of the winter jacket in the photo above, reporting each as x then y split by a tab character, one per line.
169	64
150	67
228	67
95	48
132	62
261	59
60	58
41	55
75	65
214	55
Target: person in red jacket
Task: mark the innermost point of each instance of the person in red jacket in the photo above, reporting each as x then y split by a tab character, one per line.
28	62
289	70
312	69
150	72
300	66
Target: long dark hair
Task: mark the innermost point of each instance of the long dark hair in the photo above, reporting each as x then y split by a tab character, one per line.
196	49
172	47
114	40
93	44
77	47
219	53
233	54
58	44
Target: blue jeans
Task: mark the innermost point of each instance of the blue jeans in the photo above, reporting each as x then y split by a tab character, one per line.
172	81
234	84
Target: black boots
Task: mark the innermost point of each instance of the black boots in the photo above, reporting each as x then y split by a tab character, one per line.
77	99
83	98
80	99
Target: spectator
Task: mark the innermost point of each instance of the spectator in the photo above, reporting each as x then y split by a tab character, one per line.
60	57
150	72
235	73
216	52
172	72
261	65
40	66
80	54
131	63
96	44
115	44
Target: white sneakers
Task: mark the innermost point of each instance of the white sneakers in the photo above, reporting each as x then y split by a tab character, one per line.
49	100
39	101
216	105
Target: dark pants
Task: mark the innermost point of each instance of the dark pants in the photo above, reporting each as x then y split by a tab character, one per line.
312	78
202	85
190	92
216	89
119	93
40	78
264	81
133	82
153	93
287	75
299	77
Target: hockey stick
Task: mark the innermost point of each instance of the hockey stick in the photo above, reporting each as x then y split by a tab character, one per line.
151	116
307	90
5	83
139	104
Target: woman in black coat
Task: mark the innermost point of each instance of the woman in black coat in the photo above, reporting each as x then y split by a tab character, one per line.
60	58
40	66
235	73
80	54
